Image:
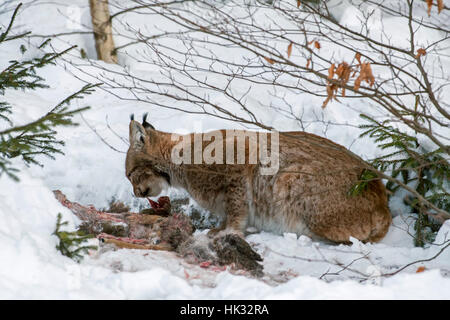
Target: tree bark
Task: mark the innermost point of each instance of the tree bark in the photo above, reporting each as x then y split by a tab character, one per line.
104	43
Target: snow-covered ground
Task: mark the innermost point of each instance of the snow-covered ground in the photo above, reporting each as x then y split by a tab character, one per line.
91	172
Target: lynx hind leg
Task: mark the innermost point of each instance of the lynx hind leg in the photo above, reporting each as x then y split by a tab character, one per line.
381	217
381	220
321	203
365	217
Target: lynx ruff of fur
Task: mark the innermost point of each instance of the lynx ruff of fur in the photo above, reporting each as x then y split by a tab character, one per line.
307	196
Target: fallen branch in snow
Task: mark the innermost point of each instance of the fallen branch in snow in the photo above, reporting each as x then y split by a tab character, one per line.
357	274
158	228
346	267
417	261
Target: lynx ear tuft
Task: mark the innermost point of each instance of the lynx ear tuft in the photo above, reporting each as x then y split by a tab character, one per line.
132	116
145	124
137	135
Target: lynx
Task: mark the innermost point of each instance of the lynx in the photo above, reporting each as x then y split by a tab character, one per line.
308	195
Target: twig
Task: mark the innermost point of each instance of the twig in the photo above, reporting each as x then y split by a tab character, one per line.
100	137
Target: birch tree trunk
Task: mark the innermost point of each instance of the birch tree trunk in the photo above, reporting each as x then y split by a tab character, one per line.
104	43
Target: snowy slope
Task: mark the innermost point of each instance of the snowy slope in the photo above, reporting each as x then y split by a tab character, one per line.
93	173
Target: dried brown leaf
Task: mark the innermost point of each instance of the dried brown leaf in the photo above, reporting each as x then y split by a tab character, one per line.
340	70
331	71
317	44
330	90
289	50
269	60
308	63
331	93
298	3
326	102
361	77
365	74
370	79
429	6
420	269
420	52
440	4
358	57
357	84
345	76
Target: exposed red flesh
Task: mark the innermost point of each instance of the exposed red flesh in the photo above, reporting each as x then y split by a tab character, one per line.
155	205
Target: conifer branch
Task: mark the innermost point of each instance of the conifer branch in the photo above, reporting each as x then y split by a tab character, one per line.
38	137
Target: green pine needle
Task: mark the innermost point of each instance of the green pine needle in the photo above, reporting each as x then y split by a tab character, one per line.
36	138
426	171
71	244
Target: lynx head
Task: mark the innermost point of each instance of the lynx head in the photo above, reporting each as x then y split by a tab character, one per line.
141	166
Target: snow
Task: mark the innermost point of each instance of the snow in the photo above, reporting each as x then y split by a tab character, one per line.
91	172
